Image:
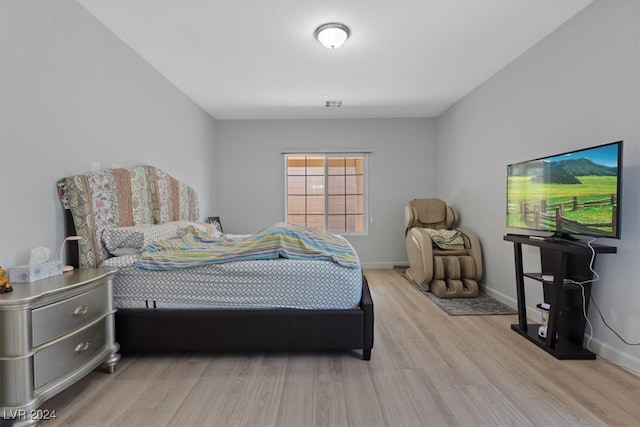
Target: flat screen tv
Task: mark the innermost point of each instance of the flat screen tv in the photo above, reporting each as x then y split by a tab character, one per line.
576	193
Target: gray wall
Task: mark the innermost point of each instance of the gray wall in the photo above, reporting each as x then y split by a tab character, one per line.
250	171
578	87
71	93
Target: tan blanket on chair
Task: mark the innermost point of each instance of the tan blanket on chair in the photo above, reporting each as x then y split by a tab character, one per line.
446	239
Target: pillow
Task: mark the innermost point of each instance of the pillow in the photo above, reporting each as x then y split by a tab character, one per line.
125	251
132	240
205	227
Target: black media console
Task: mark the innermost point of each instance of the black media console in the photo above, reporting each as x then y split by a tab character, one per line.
562	263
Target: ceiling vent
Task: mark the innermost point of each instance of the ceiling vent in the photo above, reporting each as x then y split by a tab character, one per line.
333	104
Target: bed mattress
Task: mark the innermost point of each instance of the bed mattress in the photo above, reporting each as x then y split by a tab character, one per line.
280	283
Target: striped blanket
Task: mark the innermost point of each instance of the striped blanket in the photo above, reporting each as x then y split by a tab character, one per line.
446	239
281	240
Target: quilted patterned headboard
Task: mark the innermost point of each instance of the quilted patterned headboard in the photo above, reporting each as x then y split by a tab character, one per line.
121	198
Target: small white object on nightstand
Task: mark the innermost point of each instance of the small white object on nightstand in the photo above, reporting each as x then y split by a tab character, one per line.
66	268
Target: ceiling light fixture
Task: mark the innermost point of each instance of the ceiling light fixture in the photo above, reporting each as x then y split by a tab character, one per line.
332	35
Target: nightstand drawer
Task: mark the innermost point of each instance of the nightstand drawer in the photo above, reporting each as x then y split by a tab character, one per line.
54	320
72	352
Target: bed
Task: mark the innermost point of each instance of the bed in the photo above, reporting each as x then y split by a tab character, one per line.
100	202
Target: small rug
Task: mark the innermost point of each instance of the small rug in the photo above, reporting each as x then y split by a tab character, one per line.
482	305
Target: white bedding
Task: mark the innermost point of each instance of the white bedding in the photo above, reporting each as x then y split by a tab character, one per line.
281	283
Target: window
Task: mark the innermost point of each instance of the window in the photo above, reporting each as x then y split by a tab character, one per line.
327	192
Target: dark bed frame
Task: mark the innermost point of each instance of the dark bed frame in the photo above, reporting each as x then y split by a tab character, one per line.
142	330
195	330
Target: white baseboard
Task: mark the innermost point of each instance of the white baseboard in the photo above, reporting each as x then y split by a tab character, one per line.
379	265
502	298
627	361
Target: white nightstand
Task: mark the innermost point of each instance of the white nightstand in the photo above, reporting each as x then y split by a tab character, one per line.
53	332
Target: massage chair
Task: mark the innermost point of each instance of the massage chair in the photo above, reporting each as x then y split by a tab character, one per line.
443	258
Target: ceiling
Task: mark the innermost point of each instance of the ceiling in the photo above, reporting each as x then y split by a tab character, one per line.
247	59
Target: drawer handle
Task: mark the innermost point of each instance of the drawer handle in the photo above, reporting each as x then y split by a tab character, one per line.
82	347
80	311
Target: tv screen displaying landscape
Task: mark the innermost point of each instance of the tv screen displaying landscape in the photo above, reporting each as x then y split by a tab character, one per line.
571	193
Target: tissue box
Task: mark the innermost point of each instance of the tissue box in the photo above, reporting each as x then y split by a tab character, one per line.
31	273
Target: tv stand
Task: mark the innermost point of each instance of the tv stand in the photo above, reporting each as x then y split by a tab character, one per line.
566	262
561	240
559	237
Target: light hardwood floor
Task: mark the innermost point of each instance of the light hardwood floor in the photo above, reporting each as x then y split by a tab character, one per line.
427	368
